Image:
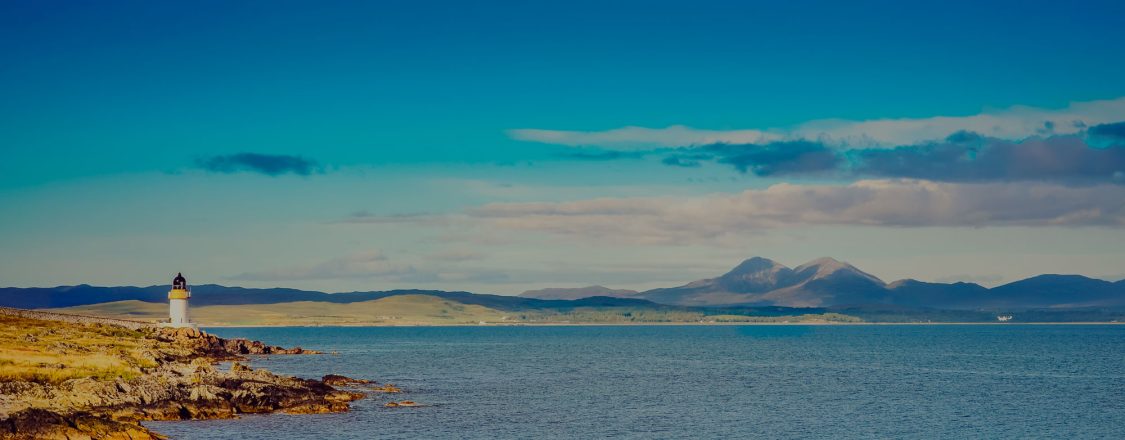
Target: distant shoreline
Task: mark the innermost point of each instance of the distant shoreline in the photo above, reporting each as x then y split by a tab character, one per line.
668	324
432	311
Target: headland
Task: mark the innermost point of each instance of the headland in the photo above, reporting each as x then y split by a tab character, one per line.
80	377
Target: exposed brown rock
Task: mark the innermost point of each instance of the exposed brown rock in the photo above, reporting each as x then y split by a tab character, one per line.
338	380
47	425
184	383
216	346
173	392
389	388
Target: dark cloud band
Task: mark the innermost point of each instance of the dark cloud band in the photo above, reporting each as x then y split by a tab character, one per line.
1114	131
962	157
268	164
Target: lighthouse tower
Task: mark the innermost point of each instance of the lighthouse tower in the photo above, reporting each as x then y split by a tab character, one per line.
178	303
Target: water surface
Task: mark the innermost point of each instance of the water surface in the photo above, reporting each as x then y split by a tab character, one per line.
877	381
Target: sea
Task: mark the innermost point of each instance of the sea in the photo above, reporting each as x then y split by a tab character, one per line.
703	382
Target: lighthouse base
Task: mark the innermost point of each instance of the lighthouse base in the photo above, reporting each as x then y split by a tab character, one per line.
179	325
178	314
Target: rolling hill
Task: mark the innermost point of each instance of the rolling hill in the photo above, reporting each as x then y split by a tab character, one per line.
394	310
578	293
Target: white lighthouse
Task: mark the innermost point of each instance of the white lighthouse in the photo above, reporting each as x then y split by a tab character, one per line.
178	303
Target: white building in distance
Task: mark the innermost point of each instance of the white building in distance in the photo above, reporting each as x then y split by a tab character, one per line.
178	303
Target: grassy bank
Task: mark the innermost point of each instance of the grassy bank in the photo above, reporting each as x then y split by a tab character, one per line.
40	351
75	377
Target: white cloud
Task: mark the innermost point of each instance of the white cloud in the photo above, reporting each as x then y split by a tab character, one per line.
1017	122
895	203
641	137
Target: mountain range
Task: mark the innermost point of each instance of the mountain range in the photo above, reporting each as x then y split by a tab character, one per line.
758	282
827	282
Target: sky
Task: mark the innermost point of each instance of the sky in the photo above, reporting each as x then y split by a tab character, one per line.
496	147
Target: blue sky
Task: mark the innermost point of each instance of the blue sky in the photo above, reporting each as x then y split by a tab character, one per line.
500	146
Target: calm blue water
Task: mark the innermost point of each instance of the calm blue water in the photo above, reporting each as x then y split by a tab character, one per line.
987	381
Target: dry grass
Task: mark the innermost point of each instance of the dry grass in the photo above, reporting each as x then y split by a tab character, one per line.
424	310
395	310
53	352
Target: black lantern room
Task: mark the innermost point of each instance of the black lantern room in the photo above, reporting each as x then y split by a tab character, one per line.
179	283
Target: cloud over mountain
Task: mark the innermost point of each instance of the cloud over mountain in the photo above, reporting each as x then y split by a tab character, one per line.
962	157
899	203
778	158
1081	144
1013	123
968	157
1114	131
642	137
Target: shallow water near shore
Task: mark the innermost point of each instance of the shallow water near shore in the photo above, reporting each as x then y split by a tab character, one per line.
965	381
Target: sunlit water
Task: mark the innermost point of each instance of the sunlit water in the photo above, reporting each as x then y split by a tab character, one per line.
955	381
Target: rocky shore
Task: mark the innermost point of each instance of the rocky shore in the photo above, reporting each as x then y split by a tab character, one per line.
67	380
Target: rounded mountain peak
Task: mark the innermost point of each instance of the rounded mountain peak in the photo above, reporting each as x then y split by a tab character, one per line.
755	275
756	264
825	266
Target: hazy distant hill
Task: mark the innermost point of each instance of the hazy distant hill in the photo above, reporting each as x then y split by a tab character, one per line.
1058	291
578	293
914	293
1042	291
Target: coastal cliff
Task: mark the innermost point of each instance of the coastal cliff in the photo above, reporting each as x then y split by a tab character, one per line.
70	378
